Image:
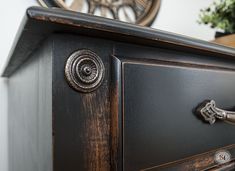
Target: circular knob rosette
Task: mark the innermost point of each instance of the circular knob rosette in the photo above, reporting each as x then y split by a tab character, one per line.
84	71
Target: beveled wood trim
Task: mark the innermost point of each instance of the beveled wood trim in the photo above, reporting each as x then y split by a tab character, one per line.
39	23
116	118
118	114
203	161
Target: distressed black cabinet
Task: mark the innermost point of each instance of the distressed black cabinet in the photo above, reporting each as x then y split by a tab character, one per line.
87	93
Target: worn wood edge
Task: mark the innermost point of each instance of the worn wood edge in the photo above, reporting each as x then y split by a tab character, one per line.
124	31
223	167
113	26
22	46
189	159
116	118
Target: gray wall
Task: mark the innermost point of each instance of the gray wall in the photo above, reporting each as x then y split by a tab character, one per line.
175	16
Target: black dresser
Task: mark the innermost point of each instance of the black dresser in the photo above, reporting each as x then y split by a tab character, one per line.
93	94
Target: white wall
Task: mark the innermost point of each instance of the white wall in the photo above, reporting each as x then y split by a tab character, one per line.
181	17
175	16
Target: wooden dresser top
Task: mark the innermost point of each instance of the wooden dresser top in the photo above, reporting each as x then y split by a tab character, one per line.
39	23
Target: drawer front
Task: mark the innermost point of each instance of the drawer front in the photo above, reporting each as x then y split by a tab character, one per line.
158	126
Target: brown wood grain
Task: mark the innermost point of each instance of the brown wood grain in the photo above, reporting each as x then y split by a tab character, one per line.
82	120
226	40
97	126
116	127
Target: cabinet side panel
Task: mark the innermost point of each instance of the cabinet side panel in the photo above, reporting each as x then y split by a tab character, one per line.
81	120
30	113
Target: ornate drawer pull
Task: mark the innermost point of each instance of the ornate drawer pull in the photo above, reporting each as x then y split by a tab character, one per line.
210	112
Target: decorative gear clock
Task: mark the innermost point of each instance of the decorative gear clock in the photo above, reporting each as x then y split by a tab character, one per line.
142	12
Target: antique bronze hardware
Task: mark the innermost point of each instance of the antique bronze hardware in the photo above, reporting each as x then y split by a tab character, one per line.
141	12
84	70
210	112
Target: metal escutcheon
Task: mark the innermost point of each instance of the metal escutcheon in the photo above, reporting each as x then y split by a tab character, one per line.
211	113
84	71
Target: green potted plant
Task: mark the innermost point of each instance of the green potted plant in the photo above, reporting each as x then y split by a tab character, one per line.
220	15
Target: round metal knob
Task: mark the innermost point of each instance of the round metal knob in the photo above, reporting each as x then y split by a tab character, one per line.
84	71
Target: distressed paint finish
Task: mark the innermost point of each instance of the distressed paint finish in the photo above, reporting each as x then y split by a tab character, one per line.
83	117
125	124
55	20
116	118
97	126
199	162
